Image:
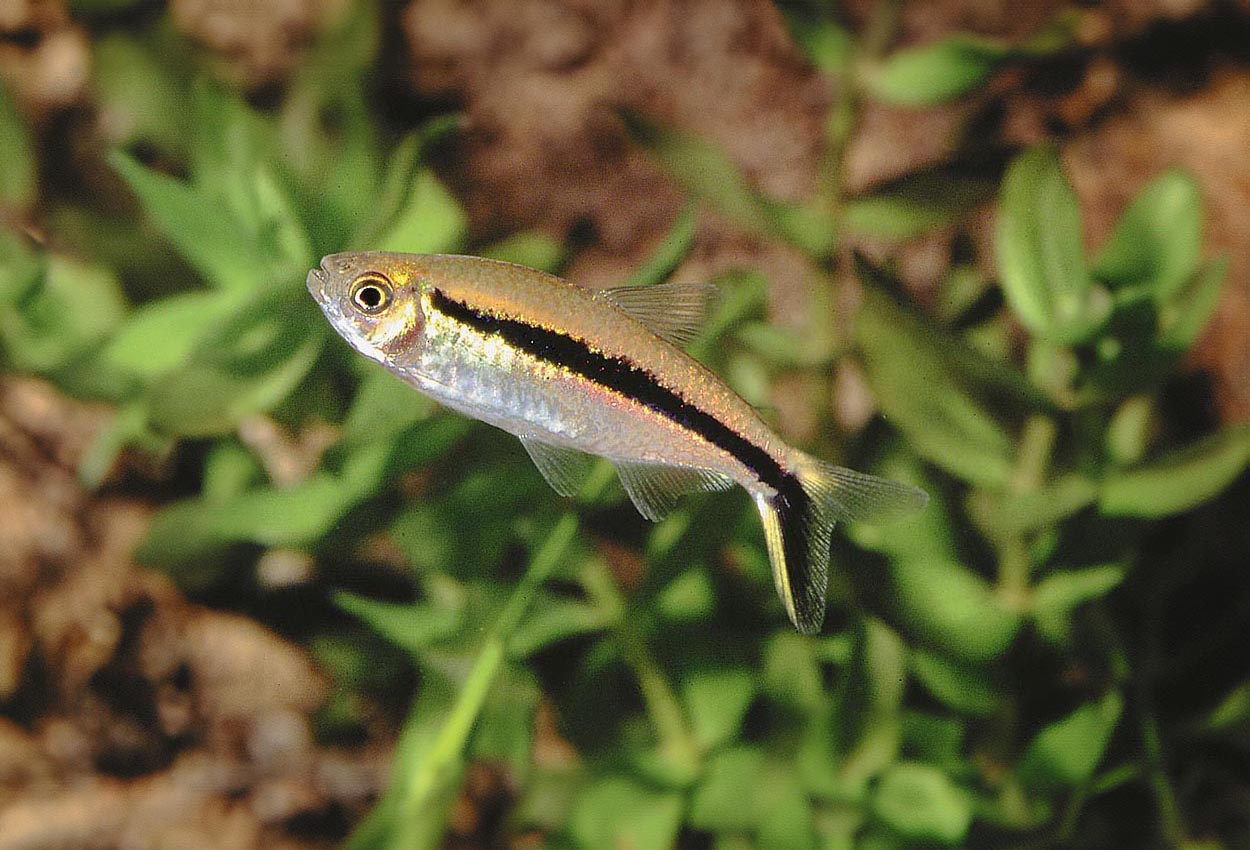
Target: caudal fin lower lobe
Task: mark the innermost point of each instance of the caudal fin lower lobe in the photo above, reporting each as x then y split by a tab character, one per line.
798	528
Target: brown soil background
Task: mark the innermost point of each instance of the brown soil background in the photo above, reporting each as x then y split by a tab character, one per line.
134	718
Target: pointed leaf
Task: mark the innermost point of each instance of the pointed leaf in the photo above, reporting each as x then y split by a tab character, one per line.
1067	752
720	801
716	700
670	252
246	366
412	627
68	308
1181	480
203	230
617	811
160	335
1158	239
709	175
916	203
1183	320
1060	592
952	608
921	804
942	419
1040	256
937	72
965	689
431	222
555	619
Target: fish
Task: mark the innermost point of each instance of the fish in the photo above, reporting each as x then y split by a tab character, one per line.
576	373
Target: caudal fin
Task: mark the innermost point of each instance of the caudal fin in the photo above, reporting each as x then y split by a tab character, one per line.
798	527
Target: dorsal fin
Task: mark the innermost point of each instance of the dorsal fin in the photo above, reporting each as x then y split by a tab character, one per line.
654	488
564	469
674	311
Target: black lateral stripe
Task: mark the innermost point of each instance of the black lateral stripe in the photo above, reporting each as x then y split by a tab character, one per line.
631	380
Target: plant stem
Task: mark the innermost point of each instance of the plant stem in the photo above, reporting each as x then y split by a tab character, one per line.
443	759
1033	464
1037	443
677	742
840	126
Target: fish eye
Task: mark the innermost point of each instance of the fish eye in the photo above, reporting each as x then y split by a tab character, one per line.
371	293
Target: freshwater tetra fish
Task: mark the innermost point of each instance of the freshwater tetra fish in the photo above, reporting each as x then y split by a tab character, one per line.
575	373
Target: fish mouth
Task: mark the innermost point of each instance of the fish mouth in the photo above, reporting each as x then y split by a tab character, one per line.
317	280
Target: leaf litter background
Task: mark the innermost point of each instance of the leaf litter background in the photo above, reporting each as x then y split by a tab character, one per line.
253	591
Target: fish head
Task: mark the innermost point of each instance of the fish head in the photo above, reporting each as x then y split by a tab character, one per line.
373	300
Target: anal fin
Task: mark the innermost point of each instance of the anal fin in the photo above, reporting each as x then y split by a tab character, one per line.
564	469
655	488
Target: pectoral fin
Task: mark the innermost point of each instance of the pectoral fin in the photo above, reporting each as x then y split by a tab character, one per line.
655	488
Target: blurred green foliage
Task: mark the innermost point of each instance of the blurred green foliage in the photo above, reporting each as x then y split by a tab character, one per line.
924	717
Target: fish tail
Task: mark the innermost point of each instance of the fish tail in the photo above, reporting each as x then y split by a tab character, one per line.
798	527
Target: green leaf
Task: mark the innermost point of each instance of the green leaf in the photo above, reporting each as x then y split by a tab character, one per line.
1066	753
869	707
722	801
141	97
937	739
413	627
1180	480
230	470
827	45
160	335
17	178
1157	242
1008	514
282	235
382	407
916	203
296	516
689	597
965	689
787	822
243	367
952	608
1182	320
943	420
1040	258
505	731
791	672
191	530
431	222
555	619
1055	598
920	803
1128	432
709	175
935	73
202	228
716	700
618	811
1060	592
21	269
62	315
670	252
